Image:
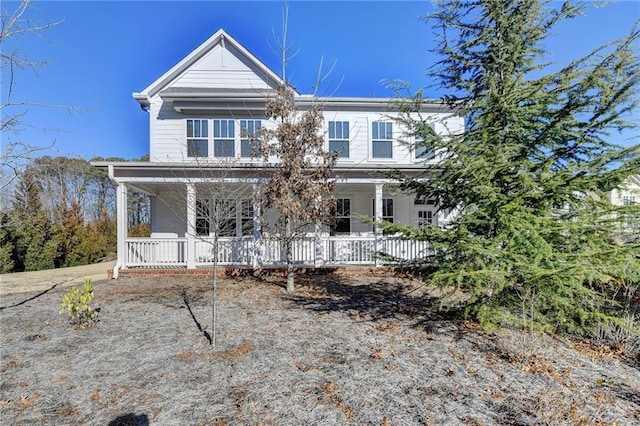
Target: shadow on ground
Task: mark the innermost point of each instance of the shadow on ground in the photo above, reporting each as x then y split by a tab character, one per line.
374	299
130	419
42	293
204	332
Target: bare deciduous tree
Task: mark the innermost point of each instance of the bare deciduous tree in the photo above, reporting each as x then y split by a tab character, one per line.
222	209
16	24
300	187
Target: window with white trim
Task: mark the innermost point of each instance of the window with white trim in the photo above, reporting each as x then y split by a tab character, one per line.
339	138
422	151
225	216
234	218
387	209
430	201
249	130
628	200
382	139
425	211
425	217
341	223
224	138
246	217
203	217
197	138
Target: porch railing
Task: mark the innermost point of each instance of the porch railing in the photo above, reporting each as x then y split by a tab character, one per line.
245	251
231	251
156	252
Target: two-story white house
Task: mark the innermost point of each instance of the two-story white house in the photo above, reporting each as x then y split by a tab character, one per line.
200	112
628	195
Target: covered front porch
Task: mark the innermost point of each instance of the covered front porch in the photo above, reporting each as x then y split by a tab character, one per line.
186	235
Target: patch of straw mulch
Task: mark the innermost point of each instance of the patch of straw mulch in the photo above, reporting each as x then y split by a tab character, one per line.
341	350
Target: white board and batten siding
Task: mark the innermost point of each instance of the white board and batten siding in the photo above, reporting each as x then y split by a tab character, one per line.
222	68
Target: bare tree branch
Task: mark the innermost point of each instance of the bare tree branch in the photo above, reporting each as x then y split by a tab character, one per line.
14	26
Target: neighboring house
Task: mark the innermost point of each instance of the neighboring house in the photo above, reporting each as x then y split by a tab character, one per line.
627	195
199	114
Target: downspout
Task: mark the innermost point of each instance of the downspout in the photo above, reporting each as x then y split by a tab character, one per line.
118	266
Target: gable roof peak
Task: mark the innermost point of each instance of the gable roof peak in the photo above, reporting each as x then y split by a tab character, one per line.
221	36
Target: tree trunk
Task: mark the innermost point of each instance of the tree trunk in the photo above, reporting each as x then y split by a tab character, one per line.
288	243
214	313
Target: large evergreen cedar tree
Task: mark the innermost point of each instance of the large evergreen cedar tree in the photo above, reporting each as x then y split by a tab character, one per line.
300	188
535	242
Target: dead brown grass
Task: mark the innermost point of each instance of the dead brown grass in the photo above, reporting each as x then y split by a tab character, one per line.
341	350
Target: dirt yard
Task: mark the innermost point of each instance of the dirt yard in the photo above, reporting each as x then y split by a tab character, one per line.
341	350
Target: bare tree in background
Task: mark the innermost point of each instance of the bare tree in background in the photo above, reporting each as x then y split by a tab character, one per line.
223	213
15	25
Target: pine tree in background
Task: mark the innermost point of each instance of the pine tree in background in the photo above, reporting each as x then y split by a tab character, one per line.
35	249
535	242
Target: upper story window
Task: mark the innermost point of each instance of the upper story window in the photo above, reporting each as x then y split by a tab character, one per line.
423	152
249	131
381	139
339	138
224	138
197	138
628	200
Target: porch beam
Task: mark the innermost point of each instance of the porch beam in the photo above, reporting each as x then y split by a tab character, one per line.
248	180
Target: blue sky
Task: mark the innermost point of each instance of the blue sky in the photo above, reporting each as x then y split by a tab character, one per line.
103	51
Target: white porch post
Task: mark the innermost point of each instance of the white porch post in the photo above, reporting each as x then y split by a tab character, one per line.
121	228
378	218
439	216
190	232
318	259
256	259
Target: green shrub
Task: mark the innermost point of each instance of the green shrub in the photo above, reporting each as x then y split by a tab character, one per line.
76	304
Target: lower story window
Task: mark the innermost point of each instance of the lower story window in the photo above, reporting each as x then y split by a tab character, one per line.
387	209
229	218
341	223
246	208
425	218
225	217
203	220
